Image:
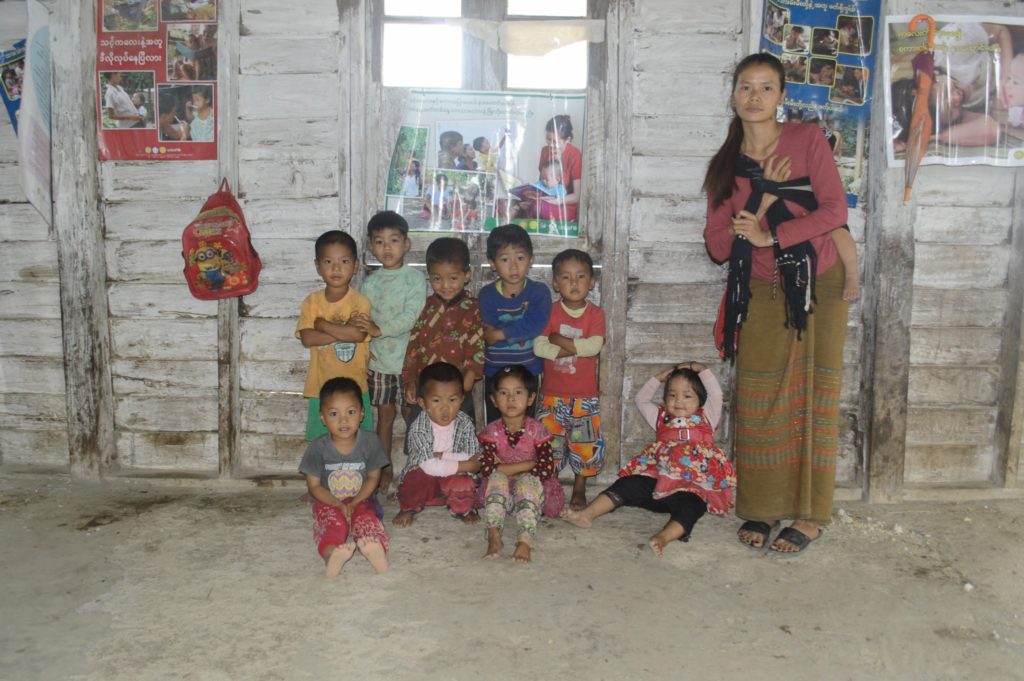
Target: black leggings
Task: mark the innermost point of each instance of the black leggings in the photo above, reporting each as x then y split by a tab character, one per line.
685	508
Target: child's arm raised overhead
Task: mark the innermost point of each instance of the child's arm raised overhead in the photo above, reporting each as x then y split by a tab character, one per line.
644	399
713	404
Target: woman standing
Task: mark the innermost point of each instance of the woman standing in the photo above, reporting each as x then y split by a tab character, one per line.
789	362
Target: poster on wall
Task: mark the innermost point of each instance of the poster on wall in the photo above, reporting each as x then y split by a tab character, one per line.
12	68
469	161
976	98
156	72
828	51
34	113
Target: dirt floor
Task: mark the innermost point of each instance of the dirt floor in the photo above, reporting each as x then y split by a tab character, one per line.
133	580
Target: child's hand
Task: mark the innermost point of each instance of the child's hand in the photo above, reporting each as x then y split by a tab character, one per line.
346	508
493	335
692	366
663	375
410	392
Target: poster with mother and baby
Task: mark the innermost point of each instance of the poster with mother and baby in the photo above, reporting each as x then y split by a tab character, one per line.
976	93
469	161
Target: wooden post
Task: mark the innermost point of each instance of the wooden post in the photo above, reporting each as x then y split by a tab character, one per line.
229	405
1007	439
613	209
78	226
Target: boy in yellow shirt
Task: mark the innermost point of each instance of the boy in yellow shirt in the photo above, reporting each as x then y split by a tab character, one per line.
337	348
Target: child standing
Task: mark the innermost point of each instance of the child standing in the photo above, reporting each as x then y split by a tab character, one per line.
342	469
517	464
442	448
514	309
396	293
449	328
336	346
570	344
683	473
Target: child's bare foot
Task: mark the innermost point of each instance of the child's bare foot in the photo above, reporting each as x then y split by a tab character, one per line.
851	288
336	556
494	545
522	553
577	518
578	501
471	518
374	553
404	519
657	545
386	475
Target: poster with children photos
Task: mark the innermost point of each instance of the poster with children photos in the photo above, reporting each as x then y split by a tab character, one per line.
977	98
467	161
156	71
828	52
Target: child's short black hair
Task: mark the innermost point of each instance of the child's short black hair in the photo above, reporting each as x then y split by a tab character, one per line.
448	250
570	254
515	371
508	235
479	142
336	236
693	378
334	386
386	219
449	138
439	372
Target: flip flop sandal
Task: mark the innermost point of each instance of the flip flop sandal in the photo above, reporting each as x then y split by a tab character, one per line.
757	527
797	538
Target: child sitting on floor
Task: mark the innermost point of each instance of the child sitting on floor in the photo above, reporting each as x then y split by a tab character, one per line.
342	469
442	450
517	464
683	473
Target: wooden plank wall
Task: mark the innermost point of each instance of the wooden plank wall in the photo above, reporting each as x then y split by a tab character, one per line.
33	428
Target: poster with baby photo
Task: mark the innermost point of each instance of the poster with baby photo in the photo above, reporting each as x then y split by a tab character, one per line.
156	80
972	110
499	157
827	55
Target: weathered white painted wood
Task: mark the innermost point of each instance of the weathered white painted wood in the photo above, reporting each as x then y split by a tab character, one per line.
287	261
953	385
277	300
972	225
671	264
274	414
168	451
955	346
670	343
144	181
293	54
658	134
665	176
290	97
669	55
683	303
10	189
704	94
34	447
157	378
270	17
151	262
150	219
163	339
667	220
167	412
941	266
32	375
29	261
289	179
944	426
31	338
147	300
985	186
22	222
947	464
29	300
952	307
274	376
668	16
8	147
302	219
275	139
272	453
32	411
271	340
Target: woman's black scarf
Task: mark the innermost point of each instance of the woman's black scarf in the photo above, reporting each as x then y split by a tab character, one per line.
795	265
